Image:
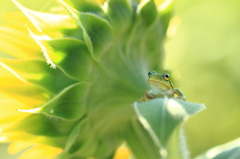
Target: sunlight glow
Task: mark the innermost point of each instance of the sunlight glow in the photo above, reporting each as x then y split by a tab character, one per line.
26	12
3	138
12	71
165	4
36	110
175	108
44	50
225	147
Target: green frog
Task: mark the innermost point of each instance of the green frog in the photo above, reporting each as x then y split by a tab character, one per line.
160	87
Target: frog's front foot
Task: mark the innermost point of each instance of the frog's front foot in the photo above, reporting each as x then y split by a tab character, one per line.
179	94
181	98
149	96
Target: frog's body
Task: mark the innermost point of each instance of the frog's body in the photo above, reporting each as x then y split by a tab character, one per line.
160	87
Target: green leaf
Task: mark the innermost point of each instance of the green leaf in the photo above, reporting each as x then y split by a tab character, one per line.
140	142
97	32
71	139
147	11
85	143
89	7
71	55
84	147
39	73
68	104
43	126
121	75
166	13
177	146
161	117
151	44
144	42
230	150
120	15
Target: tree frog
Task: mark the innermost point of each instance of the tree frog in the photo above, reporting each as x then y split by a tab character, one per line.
160	87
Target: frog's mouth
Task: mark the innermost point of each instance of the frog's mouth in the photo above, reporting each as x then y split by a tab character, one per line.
158	85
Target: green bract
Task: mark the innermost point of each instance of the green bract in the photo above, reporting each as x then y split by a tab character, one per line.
162	118
99	57
227	150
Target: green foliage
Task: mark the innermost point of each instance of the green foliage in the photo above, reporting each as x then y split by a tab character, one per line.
71	56
41	74
69	104
205	51
225	151
105	66
162	119
102	59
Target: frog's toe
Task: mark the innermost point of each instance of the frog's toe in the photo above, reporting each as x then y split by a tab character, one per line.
181	98
149	96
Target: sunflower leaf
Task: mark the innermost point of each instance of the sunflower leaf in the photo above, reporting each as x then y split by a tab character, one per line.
44	126
140	142
84	143
88	6
120	14
97	32
71	139
39	73
71	55
148	12
161	117
69	104
228	150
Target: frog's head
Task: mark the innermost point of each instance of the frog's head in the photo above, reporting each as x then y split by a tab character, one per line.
159	82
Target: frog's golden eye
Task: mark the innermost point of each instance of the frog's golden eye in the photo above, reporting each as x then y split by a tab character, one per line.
166	76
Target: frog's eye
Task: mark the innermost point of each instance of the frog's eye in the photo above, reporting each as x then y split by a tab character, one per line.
166	76
152	72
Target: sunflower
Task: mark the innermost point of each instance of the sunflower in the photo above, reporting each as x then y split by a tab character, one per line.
71	76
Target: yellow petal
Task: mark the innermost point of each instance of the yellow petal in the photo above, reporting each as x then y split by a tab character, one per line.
18	44
8	107
46	21
9	114
123	152
11	136
16	19
5	73
41	151
159	2
4	96
24	92
162	4
26	137
17	146
59	10
11	120
99	1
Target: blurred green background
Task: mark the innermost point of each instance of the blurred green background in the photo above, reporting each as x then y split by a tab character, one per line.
204	58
